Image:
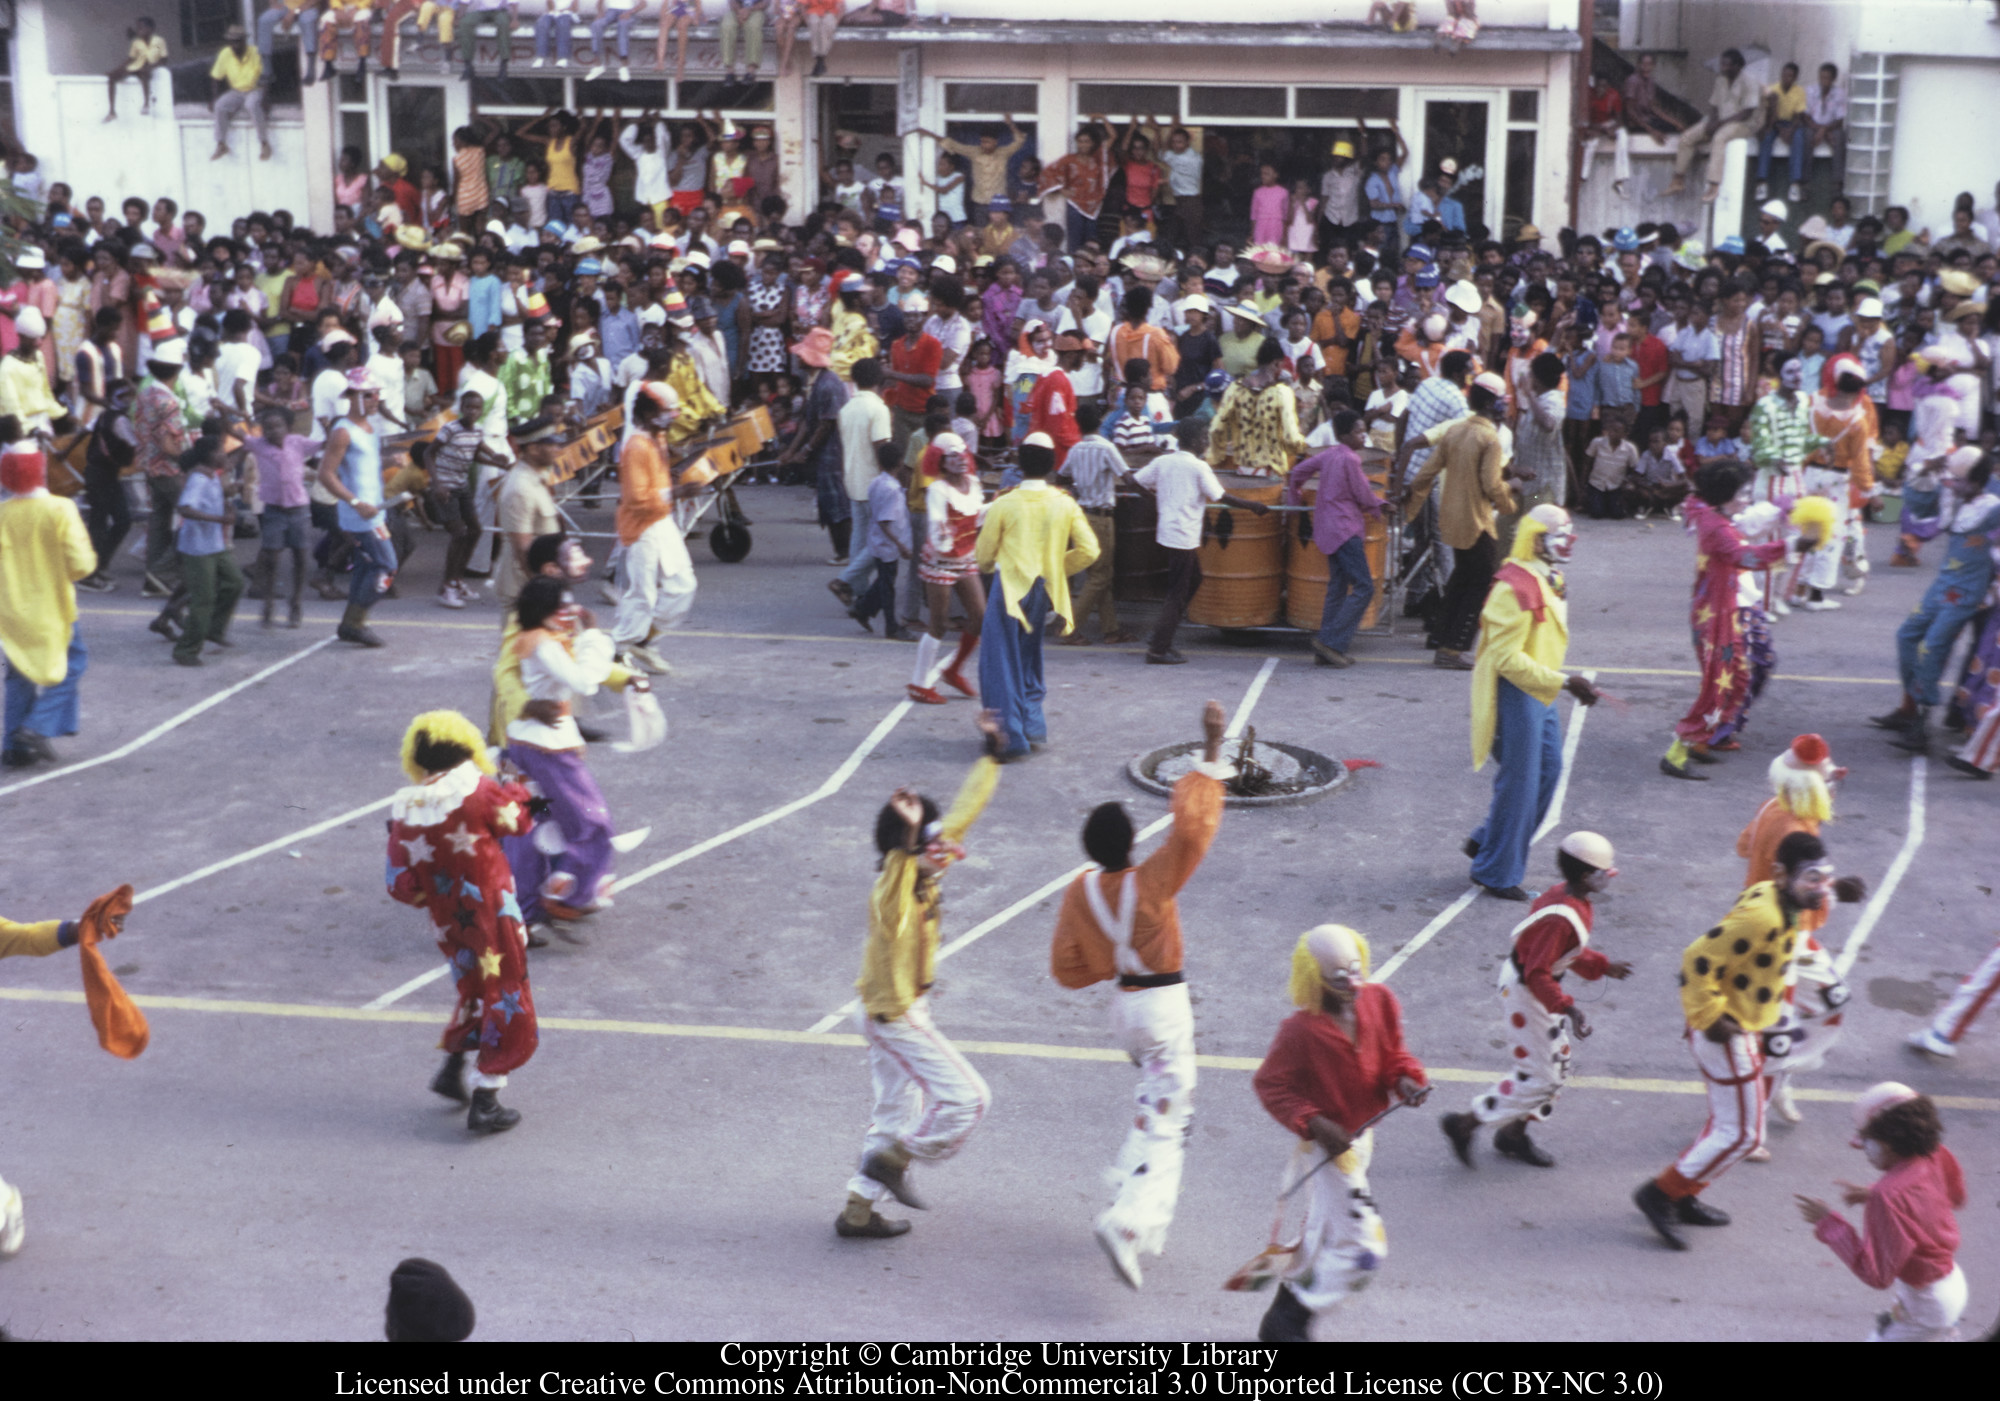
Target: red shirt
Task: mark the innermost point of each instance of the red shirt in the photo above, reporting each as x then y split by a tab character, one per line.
923	358
405	195
1546	940
1312	1068
1052	410
1912	1233
1607	106
1652	360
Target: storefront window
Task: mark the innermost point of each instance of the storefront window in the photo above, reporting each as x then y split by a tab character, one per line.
1348	104
1235	102
1129	99
980	98
1519	206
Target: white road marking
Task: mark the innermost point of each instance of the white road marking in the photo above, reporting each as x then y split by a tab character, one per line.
274	844
1879	901
1028	902
1578	714
165	726
397	994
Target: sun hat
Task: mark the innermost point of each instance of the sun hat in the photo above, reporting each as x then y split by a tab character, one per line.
1732	245
1626	240
816	348
1344	148
1464	296
1773	209
589	267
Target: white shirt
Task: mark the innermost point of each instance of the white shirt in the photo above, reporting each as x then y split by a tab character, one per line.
385	372
1184	485
953	335
863	422
1183	170
237	360
649	183
493	427
1088	378
1825	106
329	401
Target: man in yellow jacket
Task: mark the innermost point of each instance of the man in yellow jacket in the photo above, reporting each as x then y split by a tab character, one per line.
1034	538
928	1099
1732	993
1516	677
44	550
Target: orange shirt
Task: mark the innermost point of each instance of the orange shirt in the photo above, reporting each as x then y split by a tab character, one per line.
1758	845
1082	953
1149	343
1323	329
642	481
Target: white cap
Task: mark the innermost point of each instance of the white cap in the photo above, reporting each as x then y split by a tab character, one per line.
950	444
173	352
1434	326
1877	1098
1773	209
654	315
739	248
1462	295
1038	440
1197	303
1869	309
28	321
1590	847
1492	384
944	262
31	258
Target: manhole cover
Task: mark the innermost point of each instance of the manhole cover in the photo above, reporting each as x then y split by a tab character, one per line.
1277	774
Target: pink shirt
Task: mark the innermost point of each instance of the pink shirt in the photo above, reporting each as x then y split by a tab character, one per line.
1912	1234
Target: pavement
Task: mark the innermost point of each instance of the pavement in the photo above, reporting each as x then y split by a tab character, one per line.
698	1098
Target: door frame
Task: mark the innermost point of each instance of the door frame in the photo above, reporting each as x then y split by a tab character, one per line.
1494	165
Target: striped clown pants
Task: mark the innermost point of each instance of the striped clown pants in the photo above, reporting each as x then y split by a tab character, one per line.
1733	1071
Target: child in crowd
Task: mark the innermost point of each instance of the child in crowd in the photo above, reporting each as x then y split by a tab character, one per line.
1612	459
888	543
211	581
1658	482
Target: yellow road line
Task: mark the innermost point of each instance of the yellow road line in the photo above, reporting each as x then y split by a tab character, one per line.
846	639
849	1040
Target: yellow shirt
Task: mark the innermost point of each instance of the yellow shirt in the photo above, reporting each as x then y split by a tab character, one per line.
145	53
1514	646
44	550
36	940
1738	967
1036	532
243	74
900	960
852	341
1787	105
24	391
698	406
1257	430
510	693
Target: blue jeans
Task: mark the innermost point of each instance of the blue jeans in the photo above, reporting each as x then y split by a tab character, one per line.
1527	745
1010	667
860	564
548	24
1923	642
305	32
1349	589
1794	132
624	20
374	568
46	710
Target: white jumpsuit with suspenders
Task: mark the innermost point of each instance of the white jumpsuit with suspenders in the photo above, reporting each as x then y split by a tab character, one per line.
1154	1023
1541	1038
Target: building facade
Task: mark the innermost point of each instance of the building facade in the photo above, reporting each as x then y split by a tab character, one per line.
1280	89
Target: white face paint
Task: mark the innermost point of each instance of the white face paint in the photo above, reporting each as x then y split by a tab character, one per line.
1598	880
1810	886
1877	1153
1559	542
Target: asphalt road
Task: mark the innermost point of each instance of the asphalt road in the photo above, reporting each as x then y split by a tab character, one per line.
686	1136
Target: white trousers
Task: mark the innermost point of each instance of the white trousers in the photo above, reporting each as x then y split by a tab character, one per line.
1540	1060
1821	568
1155	1026
1924	1314
1973	994
1344	1244
656	584
1815	1023
1733	1071
1621	155
928	1099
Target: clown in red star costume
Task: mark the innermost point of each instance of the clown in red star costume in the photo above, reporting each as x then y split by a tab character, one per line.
1719	645
445	856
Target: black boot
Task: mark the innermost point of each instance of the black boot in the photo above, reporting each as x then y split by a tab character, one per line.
1659	1211
1460	1128
450	1081
1894	720
1916	739
354	628
489	1115
891	1168
1693	1211
1513	1142
1287	1320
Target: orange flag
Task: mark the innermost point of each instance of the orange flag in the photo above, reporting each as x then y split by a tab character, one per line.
121	1026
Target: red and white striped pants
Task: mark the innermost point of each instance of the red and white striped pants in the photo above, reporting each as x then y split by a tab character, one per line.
1972	996
1983	748
1733	1070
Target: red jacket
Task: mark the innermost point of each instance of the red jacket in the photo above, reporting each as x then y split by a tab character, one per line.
1312	1068
1052	410
1546	940
1912	1233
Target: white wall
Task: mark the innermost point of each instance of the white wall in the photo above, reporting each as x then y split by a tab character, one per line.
1938	98
1533	14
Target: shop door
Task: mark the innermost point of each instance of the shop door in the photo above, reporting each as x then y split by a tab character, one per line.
1461	128
417	125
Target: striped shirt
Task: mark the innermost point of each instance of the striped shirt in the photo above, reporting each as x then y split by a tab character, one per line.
1094	467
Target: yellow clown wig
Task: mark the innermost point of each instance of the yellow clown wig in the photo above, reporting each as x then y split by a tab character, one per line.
442	727
1814	516
1532	527
1307	980
1799	778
